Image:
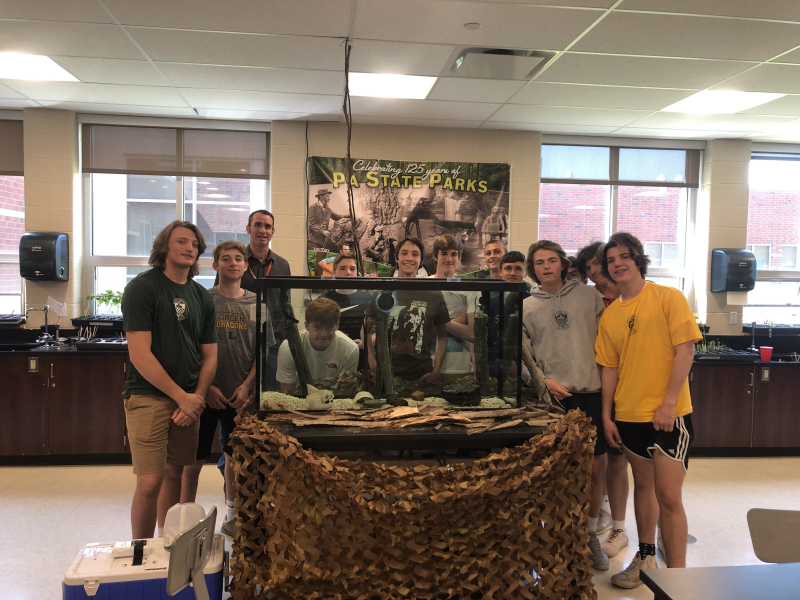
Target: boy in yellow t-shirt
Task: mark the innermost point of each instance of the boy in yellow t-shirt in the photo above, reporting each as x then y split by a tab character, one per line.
645	345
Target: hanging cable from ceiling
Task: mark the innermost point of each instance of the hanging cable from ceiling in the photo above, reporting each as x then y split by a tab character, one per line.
348	119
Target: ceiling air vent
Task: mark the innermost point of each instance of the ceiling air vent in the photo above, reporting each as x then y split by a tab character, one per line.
498	63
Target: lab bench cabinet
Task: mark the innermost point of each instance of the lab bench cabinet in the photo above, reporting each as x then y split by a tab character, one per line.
62	404
754	405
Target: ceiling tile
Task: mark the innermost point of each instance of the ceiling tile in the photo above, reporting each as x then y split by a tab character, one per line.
566	3
263	115
297	17
422	109
697	37
781	10
370	56
112	70
788	106
121	109
9	94
97	92
790	128
263	79
17	103
792	57
519	113
66	39
81	11
474	90
416	122
509	25
738	122
241	49
595	96
640	71
676	133
781	79
263	101
549	128
787	138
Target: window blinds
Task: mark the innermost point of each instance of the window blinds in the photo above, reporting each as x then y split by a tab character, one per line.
175	151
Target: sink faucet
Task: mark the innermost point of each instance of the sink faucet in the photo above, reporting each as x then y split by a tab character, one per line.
47	338
753	337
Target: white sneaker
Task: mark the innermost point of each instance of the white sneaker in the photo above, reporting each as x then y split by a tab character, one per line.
616	541
604	521
228	527
599	559
629	578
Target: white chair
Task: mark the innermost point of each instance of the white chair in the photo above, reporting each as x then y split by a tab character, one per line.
775	534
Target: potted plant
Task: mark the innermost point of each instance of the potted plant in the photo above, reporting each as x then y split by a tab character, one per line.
103	310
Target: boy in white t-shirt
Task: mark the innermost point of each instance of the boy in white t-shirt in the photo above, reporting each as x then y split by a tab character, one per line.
460	306
328	351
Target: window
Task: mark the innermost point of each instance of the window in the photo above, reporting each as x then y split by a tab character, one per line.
139	179
773	301
587	193
573	214
12	216
762	253
773	214
788	257
662	254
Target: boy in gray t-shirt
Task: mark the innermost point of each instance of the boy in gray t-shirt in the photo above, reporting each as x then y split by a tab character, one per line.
235	310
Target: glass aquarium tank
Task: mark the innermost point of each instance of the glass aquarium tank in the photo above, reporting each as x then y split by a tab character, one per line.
361	343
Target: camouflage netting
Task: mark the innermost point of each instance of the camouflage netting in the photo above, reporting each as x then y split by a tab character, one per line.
512	525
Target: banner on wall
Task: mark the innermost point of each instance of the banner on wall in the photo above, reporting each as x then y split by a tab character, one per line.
395	199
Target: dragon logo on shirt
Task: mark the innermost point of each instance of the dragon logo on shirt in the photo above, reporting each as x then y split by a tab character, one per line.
632	325
562	320
181	308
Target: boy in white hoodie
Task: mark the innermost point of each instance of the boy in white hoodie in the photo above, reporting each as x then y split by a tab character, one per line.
559	323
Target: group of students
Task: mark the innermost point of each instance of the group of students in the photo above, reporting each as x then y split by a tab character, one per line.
619	351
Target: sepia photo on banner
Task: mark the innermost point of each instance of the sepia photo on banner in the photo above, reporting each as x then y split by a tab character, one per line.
395	199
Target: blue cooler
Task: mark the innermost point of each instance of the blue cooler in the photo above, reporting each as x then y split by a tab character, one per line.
118	571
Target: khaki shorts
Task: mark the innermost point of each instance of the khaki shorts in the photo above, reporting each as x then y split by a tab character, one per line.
155	440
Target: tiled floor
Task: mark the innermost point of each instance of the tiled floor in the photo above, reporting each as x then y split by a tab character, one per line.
48	513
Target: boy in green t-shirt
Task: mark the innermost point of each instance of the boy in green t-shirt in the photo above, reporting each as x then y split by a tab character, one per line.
172	345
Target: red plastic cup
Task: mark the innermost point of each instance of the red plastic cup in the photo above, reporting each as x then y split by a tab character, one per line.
766	353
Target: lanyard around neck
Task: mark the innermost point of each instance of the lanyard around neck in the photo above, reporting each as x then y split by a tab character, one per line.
269	268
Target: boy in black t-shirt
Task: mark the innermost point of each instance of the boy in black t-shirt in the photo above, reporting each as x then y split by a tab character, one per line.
172	345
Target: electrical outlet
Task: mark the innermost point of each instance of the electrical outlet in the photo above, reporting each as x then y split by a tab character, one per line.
733	318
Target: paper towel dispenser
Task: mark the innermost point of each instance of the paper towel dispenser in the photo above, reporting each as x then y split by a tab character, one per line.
44	256
732	270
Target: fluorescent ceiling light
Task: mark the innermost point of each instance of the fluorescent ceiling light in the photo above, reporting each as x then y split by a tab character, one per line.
720	102
31	67
382	85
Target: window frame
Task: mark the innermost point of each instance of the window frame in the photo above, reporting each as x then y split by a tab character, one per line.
790	275
92	261
694	159
685	227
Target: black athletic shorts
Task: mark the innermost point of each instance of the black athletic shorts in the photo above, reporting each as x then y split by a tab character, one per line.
642	439
208	426
592	405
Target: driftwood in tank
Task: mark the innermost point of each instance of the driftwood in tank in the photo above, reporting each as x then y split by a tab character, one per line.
481	351
296	347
